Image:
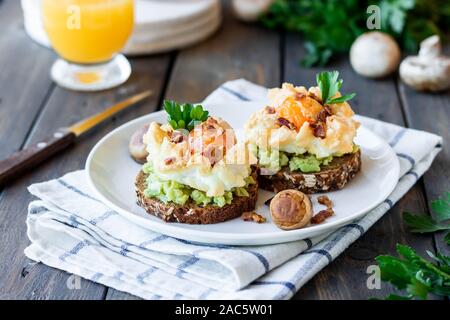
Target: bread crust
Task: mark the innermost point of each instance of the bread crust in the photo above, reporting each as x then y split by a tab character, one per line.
194	214
332	177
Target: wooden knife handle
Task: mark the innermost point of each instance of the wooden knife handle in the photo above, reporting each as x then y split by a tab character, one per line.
25	159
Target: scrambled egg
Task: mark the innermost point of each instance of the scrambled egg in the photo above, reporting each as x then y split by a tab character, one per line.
301	107
181	158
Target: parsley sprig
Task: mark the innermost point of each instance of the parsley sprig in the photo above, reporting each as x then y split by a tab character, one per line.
330	84
425	224
184	116
416	275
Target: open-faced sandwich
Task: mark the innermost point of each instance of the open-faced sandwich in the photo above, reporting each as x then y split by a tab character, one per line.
196	172
304	139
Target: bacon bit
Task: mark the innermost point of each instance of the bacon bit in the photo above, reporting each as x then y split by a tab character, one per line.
315	97
319	130
169	161
324	114
324	214
177	137
253	216
321	216
299	96
319	126
284	122
270	110
324	200
213	153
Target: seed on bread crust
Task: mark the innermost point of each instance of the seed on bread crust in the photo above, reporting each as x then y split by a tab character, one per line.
333	176
190	212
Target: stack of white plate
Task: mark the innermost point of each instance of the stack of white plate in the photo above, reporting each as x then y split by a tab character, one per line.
160	25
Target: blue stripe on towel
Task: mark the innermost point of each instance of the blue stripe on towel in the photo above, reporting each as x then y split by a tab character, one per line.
150	241
313	261
103	217
412	173
407	157
206	294
320	251
259	256
140	277
185	265
397	137
124	249
37	210
188	263
308	242
96	276
177	296
287	284
80	245
357	227
236	94
73	221
74	189
389	203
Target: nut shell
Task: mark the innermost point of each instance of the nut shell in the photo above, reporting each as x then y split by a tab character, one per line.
291	209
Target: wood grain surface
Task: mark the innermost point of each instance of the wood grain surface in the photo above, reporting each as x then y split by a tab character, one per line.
31	107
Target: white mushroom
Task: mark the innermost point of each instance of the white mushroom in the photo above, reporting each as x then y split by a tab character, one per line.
374	54
250	10
430	70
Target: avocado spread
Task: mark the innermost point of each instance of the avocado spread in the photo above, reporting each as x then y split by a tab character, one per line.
172	191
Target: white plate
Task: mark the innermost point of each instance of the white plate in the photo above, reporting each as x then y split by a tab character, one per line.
111	173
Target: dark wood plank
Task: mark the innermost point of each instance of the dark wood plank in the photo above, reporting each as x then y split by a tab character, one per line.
24	78
237	51
63	108
346	277
431	112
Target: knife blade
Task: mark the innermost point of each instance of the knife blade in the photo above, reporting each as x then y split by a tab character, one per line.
27	158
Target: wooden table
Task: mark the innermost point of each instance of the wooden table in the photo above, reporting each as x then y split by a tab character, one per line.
31	106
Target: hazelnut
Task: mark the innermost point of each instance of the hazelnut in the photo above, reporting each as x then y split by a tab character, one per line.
291	209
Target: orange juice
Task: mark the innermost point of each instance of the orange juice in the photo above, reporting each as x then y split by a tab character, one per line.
88	31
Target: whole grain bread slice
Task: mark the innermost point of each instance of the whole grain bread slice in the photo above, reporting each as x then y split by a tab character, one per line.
333	176
194	214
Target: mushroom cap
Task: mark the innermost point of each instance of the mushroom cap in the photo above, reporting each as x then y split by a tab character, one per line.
424	74
429	71
137	147
291	209
374	54
250	10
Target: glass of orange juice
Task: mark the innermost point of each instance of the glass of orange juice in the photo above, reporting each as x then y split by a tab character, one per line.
88	36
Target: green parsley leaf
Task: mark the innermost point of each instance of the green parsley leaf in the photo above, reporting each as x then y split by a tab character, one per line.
330	84
415	274
422	223
442	208
447	238
184	116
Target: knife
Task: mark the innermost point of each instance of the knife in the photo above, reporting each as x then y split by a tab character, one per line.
25	159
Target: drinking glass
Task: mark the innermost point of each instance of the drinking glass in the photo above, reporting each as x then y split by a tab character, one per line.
88	36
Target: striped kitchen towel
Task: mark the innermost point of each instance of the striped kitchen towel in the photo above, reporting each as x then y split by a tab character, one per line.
71	230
